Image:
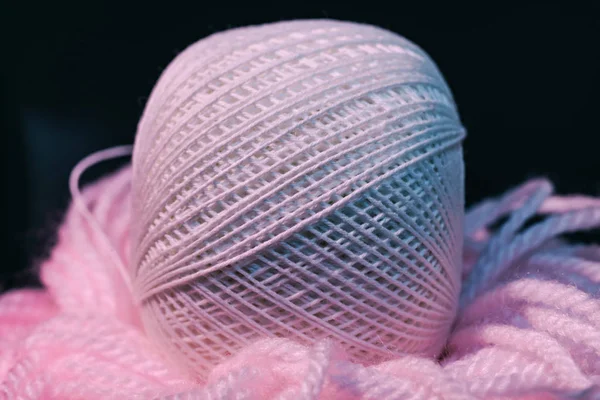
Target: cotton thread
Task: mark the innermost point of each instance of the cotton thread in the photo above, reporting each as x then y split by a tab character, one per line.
307	184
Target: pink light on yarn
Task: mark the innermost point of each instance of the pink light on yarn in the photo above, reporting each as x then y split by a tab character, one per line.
534	333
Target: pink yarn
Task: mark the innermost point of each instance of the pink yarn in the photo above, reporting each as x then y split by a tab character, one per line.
529	326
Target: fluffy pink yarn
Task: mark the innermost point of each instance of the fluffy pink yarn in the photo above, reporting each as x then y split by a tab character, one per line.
529	326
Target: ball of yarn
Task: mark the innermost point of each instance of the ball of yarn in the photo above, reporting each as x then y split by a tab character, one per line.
301	180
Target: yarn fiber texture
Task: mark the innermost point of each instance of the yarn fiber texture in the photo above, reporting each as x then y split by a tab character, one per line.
531	330
298	180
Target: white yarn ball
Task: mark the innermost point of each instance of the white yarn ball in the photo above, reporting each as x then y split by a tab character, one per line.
303	180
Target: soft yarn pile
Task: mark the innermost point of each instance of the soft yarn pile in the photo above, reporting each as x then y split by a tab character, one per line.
526	325
534	333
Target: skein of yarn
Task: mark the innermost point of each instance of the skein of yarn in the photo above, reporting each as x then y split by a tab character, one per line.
299	180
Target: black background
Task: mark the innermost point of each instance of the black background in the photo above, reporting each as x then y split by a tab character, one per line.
76	75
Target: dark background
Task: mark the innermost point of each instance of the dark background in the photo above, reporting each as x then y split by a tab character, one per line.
76	75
